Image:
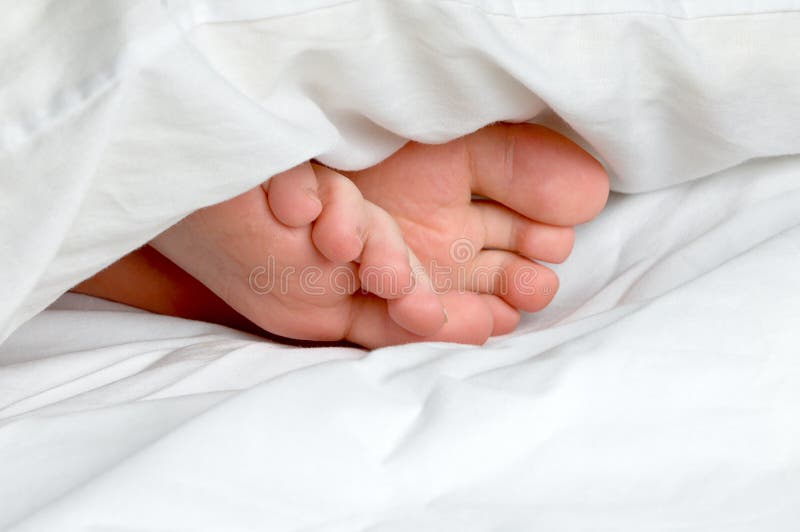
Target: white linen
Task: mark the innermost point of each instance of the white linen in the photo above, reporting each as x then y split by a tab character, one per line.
658	392
117	118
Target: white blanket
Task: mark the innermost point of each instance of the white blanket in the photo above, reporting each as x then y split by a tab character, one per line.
659	392
118	118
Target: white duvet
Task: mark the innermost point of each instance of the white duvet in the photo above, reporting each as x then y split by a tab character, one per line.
658	392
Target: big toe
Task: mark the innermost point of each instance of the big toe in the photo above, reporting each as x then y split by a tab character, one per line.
537	172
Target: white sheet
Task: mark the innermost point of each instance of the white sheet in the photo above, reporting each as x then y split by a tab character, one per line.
661	391
118	118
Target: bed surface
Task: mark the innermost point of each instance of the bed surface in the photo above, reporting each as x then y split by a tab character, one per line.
660	391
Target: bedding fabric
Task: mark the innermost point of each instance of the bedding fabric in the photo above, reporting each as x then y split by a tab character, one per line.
659	392
118	118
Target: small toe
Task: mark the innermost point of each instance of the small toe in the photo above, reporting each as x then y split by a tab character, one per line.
389	269
505	317
339	231
510	231
469	321
522	283
385	261
293	196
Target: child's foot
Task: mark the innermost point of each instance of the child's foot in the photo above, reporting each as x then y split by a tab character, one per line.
255	252
538	184
546	182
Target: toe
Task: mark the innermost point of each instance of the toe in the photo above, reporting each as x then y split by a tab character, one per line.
536	172
338	232
548	243
385	268
390	270
520	282
419	310
507	230
470	321
419	314
505	317
293	196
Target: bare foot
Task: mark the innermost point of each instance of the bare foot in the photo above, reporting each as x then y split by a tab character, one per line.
538	184
260	253
478	253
